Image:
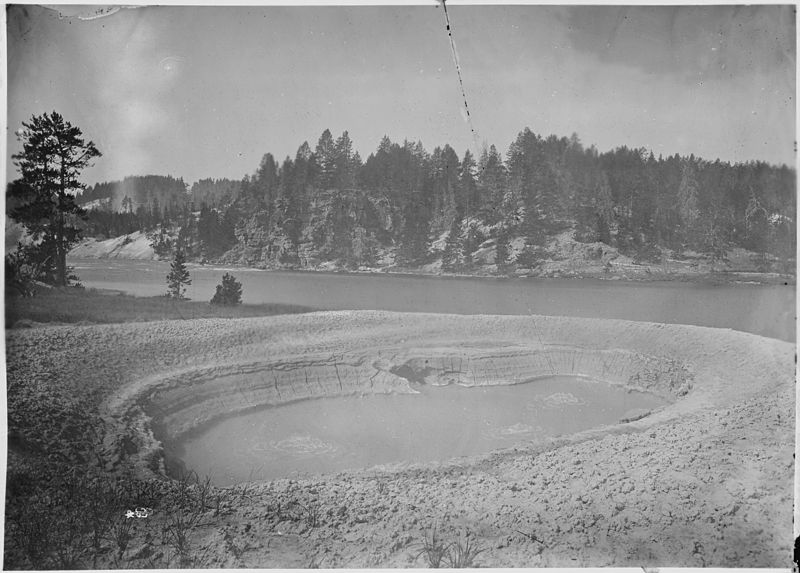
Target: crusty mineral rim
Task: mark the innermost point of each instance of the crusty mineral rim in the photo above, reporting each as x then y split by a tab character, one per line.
694	367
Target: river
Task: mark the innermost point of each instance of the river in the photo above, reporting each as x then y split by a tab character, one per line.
759	309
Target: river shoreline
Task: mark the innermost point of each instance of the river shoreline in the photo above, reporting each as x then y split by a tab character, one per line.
640	274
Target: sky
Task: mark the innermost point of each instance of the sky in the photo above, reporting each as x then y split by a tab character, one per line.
203	91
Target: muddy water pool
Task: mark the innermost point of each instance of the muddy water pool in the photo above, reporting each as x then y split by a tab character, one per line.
328	435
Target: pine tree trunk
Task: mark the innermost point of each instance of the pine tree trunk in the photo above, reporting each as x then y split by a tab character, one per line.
61	252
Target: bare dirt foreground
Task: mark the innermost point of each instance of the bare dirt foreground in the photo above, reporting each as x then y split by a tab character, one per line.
706	481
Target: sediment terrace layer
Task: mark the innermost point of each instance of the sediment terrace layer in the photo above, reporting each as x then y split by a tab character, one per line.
190	400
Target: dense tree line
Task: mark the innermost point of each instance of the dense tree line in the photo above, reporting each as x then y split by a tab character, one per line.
214	192
327	204
135	192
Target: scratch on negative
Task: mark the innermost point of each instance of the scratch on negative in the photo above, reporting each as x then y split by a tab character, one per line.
454	51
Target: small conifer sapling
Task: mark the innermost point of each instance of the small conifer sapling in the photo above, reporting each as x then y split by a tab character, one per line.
229	293
178	277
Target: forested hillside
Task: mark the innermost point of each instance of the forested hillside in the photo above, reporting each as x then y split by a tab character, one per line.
406	207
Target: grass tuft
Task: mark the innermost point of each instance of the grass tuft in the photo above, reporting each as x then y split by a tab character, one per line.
311	513
463	552
434	549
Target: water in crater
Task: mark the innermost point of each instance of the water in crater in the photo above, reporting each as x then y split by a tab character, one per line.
327	435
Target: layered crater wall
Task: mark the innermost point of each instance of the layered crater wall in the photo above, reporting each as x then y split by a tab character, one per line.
277	360
191	400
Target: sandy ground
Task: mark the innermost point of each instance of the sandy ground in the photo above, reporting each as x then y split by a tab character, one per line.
706	481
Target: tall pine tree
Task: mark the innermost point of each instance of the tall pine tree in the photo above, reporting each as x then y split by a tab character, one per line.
53	155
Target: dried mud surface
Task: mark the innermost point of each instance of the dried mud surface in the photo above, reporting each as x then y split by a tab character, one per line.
706	481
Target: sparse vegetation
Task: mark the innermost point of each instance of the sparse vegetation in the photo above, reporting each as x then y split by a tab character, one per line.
310	512
457	554
86	519
120	533
463	551
177	530
78	305
434	549
70	521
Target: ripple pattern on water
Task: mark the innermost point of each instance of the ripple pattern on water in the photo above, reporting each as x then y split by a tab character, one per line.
517	430
297	445
337	434
556	400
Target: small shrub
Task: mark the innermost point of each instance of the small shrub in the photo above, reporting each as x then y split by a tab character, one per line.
243	491
205	493
463	552
184	487
434	549
33	534
229	293
121	533
645	253
501	252
531	257
20	276
311	513
177	533
760	261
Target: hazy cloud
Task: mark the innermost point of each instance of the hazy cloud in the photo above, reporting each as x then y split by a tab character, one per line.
688	41
206	91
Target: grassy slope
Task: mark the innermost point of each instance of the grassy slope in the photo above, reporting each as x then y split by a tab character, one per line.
105	307
54	430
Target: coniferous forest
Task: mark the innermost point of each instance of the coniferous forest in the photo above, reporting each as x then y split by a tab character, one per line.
405	206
